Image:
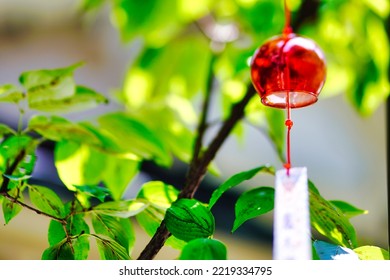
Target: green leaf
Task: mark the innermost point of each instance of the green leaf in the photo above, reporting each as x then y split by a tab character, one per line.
160	197
236	180
11	209
11	148
314	253
189	219
83	98
155	20
35	78
158	194
59	251
177	137
327	251
367	88
348	209
94	191
79	164
329	221
118	174
77	248
150	219
48	85
255	113
75	226
59	129
120	230
146	84
5	130
371	253
10	93
122	208
373	79
313	188
47	201
81	247
107	144
110	249
253	203
204	249
56	232
134	137
261	15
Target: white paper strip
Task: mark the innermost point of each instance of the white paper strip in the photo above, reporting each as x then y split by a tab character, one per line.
291	216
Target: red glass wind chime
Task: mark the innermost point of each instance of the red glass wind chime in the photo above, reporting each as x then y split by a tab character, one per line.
288	71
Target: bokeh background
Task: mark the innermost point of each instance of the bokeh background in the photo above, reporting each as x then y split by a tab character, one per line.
341	139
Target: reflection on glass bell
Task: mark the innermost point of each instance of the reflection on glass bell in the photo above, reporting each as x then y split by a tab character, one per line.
288	63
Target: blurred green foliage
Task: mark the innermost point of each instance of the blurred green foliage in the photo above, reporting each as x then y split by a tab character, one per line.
178	38
188	52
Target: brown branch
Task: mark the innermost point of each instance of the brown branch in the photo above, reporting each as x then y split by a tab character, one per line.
198	170
307	13
205	110
11	169
387	27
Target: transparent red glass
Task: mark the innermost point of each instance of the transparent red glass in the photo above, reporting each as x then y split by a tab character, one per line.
288	64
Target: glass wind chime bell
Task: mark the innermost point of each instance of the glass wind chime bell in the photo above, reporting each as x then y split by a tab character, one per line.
288	71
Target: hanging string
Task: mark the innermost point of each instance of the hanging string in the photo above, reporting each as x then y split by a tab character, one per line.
287	25
289	123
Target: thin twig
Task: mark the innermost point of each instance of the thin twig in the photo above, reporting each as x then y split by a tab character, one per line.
4	188
11	169
68	236
15	200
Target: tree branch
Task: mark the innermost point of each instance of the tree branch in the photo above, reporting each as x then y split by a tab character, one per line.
307	13
11	169
198	170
